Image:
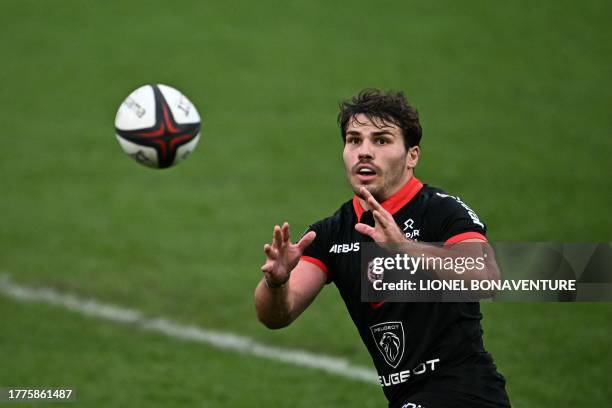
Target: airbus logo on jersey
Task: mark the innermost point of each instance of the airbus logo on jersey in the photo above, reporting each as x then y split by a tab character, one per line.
389	339
470	212
344	248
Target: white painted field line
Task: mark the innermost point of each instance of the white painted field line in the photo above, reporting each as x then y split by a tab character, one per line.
222	340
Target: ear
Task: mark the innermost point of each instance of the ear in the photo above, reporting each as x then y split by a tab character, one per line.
412	157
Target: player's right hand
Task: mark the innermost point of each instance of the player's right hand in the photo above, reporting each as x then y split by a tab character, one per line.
282	256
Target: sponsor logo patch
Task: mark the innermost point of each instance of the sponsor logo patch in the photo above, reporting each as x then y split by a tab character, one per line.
470	212
344	248
390	341
414	232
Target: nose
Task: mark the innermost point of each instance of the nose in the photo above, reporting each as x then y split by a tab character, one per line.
365	157
365	151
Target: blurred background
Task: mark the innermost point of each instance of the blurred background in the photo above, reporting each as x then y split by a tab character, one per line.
515	100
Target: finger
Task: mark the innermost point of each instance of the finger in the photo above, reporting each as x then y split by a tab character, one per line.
276	237
306	240
380	219
267	267
270	252
285	232
374	205
365	230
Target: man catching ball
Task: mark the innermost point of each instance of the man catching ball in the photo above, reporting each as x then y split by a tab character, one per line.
429	354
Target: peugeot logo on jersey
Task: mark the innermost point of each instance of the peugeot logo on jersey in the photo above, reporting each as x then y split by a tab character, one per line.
389	339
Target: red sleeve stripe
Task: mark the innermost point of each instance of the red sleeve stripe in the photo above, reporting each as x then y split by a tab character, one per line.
317	262
464	236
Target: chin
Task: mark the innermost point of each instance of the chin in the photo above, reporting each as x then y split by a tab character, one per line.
372	188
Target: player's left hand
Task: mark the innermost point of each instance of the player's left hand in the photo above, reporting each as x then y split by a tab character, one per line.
385	230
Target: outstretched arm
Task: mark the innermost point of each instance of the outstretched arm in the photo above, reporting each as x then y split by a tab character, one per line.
289	285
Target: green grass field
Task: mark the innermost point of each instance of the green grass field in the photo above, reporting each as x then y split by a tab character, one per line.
515	102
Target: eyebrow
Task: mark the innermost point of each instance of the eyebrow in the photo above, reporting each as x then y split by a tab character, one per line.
377	133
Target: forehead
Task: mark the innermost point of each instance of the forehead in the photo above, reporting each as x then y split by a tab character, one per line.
361	123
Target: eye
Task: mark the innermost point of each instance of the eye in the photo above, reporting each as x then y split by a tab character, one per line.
381	141
352	140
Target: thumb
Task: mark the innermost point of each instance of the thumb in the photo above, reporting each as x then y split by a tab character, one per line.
365	229
306	240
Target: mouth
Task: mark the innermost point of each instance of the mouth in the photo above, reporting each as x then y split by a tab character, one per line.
365	172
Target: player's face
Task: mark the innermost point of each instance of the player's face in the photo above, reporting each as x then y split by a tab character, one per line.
375	157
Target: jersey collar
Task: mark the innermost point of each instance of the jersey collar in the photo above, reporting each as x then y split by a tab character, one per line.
398	200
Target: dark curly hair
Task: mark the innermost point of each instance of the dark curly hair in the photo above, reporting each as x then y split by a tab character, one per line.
388	107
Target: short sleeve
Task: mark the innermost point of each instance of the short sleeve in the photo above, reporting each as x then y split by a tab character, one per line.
317	253
454	221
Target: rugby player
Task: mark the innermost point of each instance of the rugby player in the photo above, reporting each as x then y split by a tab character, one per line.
429	354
